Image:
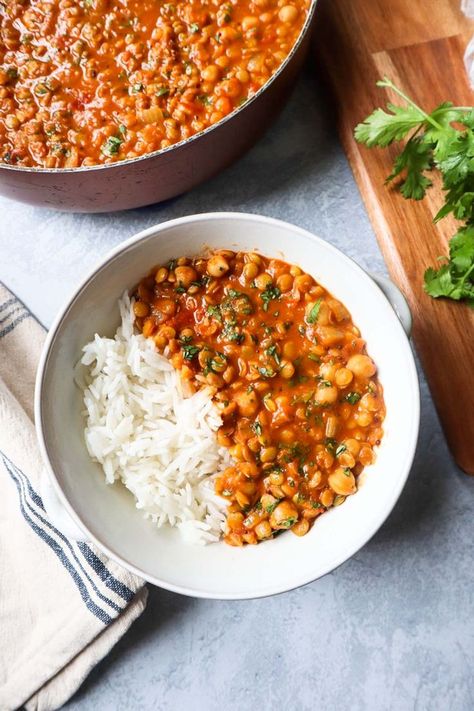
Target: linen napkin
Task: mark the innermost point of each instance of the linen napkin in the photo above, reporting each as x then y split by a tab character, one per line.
63	604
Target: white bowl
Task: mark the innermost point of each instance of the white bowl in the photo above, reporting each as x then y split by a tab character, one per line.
108	516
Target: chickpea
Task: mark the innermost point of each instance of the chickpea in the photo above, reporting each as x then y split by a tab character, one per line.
217	266
288	13
242	499
229	374
284	515
326	395
284	282
303	283
263	280
366	455
234	520
369	402
364	419
326	497
290	350
301	527
263	530
249	23
243	76
186	333
268	454
211	73
352	446
247	402
223	439
362	366
330	336
248	469
287	369
342	481
185	275
343	377
250	271
141	309
166	306
346	459
167	332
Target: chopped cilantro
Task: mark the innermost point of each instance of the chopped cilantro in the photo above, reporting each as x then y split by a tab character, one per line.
112	145
271	293
352	398
189	351
314	313
215	312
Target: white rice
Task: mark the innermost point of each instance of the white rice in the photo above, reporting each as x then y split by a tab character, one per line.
146	434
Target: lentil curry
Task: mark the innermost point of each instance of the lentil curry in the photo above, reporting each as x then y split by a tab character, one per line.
300	401
84	82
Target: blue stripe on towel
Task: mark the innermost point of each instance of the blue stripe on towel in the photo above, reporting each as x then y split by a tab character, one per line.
56	548
92	559
105	575
13	325
37	500
8	303
14	310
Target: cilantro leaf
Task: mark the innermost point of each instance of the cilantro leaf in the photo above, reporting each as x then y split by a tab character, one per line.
442	140
414	159
382	128
314	313
455	280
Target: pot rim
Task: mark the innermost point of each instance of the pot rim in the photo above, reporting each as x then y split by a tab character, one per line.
186	141
376	521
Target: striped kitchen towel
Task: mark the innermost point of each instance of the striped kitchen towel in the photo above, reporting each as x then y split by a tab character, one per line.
63	605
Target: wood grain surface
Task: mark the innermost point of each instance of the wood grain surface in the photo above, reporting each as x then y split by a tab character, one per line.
420	46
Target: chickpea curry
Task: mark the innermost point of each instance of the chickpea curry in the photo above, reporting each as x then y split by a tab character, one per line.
85	82
301	404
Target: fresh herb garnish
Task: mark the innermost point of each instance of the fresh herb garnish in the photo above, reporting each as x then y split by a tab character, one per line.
162	91
267	372
442	139
331	445
288	522
341	448
272	351
257	428
314	313
313	356
194	27
112	146
271	293
189	351
352	398
215	312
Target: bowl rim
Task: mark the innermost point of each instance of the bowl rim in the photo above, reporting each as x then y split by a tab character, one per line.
186	141
376	521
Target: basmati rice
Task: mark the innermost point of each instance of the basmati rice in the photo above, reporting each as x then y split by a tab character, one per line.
146	434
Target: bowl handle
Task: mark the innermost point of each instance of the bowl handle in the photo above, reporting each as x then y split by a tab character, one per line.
57	513
396	299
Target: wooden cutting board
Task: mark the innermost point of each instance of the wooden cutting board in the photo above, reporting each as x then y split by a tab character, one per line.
420	46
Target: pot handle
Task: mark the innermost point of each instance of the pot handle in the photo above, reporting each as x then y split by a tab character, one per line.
396	299
57	513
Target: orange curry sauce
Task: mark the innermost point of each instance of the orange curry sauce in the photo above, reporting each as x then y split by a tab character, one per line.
300	401
84	82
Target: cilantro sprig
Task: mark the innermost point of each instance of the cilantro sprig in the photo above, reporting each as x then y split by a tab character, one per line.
444	140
